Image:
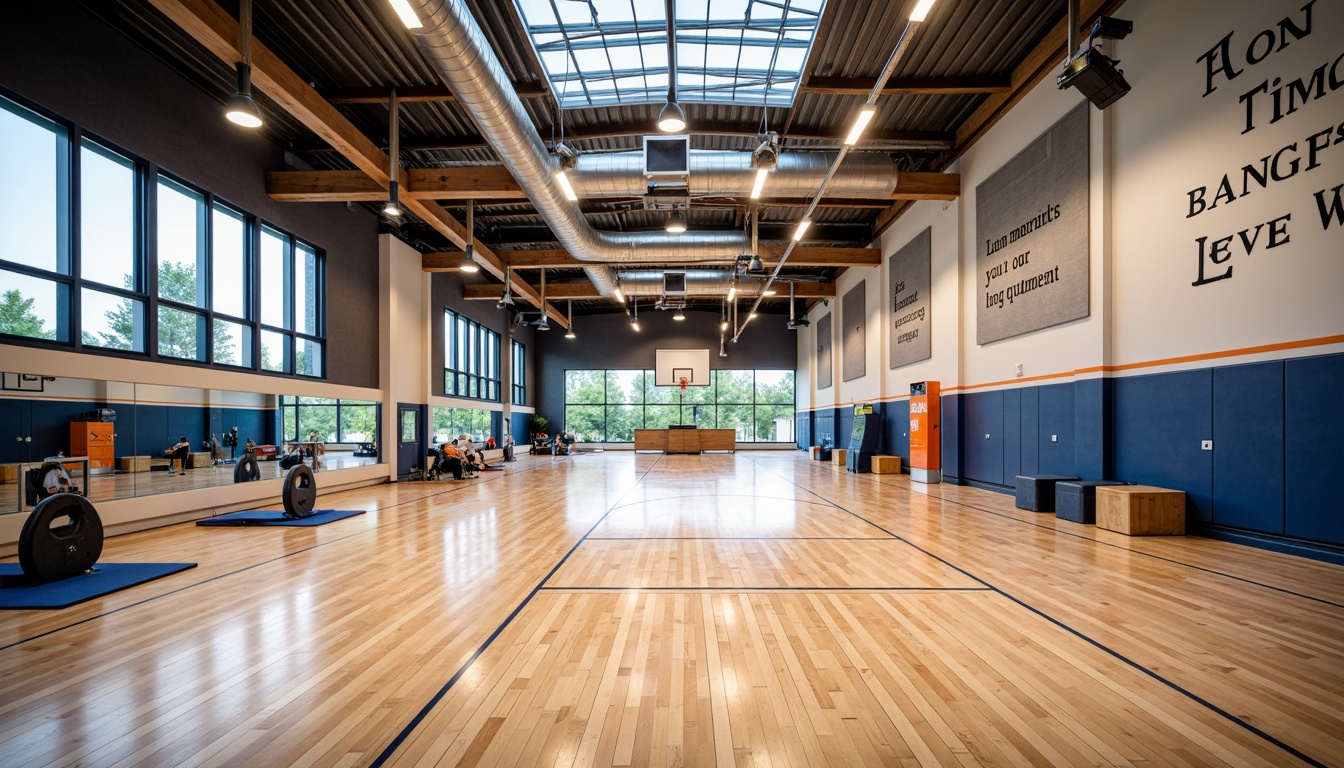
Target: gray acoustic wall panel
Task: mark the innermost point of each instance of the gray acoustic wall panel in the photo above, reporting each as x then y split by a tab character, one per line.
909	297
1031	220
824	364
854	314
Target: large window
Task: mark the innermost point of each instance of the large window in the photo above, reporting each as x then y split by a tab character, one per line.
334	421
470	358
102	250
608	406
518	373
451	422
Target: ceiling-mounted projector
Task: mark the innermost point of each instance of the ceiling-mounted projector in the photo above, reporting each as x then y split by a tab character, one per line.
801	322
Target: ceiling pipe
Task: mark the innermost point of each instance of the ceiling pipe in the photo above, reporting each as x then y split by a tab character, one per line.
699	282
454	44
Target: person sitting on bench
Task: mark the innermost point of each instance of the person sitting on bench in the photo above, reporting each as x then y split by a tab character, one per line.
564	444
57	480
451	459
508	448
541	443
178	453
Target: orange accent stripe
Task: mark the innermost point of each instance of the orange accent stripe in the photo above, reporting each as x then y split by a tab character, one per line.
1321	341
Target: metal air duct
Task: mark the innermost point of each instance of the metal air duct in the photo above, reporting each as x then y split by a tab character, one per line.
455	45
730	174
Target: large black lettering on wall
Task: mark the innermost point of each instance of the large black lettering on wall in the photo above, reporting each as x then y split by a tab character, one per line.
909	302
1031	219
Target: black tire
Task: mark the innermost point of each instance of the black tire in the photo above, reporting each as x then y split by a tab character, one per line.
300	493
50	554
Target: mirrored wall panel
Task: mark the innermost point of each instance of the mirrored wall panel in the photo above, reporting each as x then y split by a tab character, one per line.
114	440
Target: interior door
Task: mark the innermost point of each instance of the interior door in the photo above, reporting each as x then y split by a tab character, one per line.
16	430
409	430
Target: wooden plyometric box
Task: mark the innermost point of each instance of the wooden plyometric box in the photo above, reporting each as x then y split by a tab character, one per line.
838	456
134	463
9	473
1141	510
198	459
886	465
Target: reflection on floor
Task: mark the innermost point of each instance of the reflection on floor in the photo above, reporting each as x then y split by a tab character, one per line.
122	486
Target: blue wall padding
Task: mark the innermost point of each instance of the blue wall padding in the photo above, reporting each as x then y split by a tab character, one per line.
1314	447
1248	429
982	431
1159	422
1057	418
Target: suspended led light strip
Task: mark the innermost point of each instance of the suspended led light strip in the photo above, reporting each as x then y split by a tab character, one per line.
917	16
860	123
761	175
565	186
407	15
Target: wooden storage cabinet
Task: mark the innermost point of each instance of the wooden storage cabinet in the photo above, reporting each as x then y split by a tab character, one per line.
94	439
685	440
718	439
650	439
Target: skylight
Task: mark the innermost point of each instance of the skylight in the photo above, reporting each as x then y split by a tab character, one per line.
610	52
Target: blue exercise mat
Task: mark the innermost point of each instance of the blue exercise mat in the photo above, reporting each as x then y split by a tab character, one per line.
276	517
105	579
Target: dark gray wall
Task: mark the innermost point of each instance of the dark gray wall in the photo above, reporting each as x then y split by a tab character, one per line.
60	56
446	293
607	341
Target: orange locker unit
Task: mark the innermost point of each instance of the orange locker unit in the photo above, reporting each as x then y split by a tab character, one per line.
93	439
926	445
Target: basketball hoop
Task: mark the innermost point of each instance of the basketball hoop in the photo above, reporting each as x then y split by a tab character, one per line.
684	382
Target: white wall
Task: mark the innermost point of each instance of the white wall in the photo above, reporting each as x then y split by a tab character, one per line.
1146	153
403	335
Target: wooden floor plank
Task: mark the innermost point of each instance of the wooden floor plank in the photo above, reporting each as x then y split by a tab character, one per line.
740	624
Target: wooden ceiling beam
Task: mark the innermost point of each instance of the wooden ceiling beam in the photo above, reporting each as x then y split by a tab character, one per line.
858	86
218	32
581	291
1045	58
552	258
495	183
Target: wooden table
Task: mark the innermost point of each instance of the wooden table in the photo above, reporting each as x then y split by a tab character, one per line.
685	440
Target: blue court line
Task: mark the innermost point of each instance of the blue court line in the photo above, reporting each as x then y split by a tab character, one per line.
255	565
1095	643
1099	542
420	716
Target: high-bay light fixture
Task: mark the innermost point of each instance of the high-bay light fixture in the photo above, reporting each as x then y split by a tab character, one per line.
679	316
506	300
671	119
569	332
469	261
764	159
241	109
408	17
634	315
569	159
676	225
393	208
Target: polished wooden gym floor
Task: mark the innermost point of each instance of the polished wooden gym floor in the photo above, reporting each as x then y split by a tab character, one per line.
638	609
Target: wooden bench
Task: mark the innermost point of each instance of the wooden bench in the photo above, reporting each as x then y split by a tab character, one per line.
134	463
886	465
838	456
1141	510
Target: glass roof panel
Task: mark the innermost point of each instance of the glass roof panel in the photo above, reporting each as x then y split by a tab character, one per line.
601	52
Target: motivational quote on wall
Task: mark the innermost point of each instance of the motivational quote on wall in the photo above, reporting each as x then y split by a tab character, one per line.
1031	221
911	340
1267	102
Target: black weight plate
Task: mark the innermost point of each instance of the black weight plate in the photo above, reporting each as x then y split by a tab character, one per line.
51	554
300	492
246	469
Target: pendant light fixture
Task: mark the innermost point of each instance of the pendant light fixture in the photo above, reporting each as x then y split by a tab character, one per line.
544	324
676	225
469	264
569	332
634	315
241	109
680	316
393	208
671	119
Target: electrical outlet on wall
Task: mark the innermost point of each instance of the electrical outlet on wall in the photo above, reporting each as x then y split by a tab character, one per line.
1018	369
1206	445
1054	438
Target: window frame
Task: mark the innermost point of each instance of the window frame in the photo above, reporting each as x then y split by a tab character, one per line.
518	372
470	358
70	283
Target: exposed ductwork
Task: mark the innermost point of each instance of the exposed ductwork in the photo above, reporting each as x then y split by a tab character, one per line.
699	282
455	44
730	174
